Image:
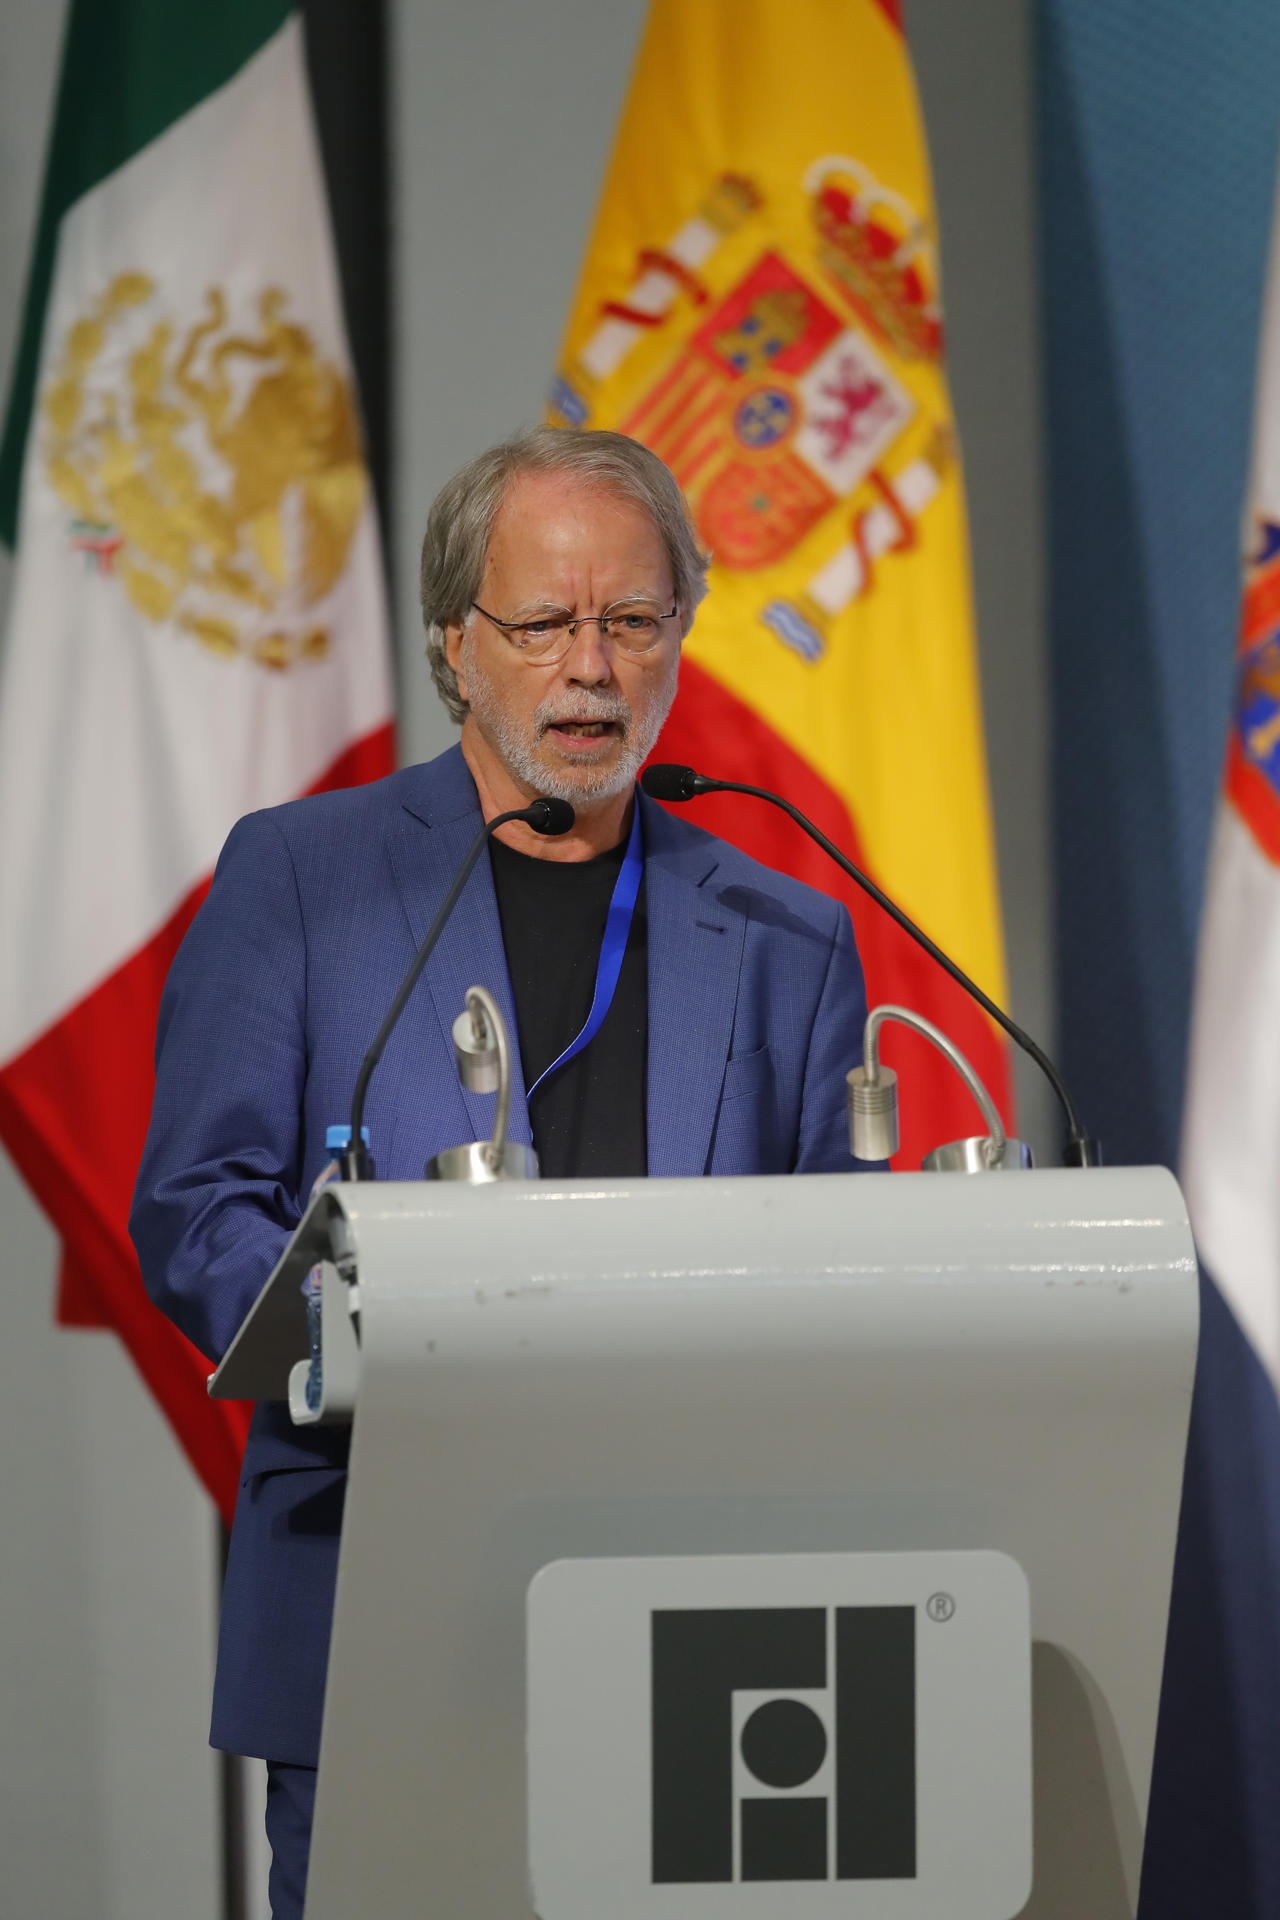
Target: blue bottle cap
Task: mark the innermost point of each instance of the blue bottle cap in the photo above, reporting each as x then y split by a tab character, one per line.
336	1138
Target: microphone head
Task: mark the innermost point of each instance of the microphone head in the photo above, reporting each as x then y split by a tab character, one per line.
669	782
550	816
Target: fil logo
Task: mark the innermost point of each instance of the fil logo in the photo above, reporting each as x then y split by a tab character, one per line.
784	1744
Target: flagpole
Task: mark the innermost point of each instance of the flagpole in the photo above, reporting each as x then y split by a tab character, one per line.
232	1812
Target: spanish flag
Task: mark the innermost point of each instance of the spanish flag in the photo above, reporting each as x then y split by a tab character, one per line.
760	305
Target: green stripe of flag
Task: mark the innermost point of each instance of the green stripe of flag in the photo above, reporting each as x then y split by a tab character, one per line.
130	68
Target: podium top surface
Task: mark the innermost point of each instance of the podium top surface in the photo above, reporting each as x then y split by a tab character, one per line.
730	1260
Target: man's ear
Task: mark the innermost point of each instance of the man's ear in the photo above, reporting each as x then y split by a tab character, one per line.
453	654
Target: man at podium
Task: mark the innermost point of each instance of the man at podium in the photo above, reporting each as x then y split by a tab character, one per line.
560	574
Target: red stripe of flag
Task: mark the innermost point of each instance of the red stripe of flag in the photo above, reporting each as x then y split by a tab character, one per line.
1254	797
74	1108
680	370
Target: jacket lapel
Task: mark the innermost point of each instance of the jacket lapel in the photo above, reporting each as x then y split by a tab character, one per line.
695	959
428	844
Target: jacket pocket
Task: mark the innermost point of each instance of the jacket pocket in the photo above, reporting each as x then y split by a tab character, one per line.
749	1073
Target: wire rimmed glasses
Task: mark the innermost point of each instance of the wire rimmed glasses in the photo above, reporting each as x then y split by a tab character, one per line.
634	626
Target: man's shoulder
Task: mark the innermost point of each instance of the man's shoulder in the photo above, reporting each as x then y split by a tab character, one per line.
435	790
734	877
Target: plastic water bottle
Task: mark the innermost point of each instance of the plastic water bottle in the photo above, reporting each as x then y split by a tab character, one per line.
335	1140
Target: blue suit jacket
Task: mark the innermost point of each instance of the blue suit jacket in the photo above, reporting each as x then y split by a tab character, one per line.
756	1007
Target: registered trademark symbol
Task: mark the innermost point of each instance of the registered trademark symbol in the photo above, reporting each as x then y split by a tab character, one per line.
940	1606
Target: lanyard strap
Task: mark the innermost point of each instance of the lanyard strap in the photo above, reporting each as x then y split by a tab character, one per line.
617	929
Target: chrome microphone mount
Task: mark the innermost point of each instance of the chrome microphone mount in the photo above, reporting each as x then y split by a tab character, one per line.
484	1066
872	1093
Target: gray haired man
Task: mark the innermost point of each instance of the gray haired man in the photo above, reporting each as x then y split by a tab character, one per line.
560	574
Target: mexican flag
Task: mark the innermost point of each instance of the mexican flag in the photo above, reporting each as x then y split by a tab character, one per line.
197	626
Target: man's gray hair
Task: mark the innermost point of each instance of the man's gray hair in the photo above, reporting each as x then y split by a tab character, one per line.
460	524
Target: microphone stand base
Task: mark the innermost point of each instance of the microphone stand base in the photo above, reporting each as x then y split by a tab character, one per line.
973	1156
474	1163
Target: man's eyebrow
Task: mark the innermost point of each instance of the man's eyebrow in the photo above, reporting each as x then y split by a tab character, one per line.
537	610
542	609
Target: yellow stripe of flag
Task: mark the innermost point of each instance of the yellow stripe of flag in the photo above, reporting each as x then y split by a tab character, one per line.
760	304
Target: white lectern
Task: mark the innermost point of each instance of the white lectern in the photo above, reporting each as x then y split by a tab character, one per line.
751	1383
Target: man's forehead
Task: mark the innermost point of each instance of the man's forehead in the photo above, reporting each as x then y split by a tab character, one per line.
565	518
534	500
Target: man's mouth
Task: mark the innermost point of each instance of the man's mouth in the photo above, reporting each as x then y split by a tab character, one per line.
583	730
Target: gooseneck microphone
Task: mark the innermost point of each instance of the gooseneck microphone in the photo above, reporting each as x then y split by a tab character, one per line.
544	816
673	783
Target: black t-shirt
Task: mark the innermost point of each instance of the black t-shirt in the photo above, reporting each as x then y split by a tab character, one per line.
588	1119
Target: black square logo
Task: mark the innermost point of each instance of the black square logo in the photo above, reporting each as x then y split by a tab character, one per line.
862	1825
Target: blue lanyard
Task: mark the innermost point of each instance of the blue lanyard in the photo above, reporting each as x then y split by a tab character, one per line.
617	929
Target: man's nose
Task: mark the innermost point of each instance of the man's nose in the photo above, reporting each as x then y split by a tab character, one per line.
587	661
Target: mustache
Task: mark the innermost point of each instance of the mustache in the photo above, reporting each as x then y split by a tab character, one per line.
583	705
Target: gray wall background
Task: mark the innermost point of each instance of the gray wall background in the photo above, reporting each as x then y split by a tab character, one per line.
107	1793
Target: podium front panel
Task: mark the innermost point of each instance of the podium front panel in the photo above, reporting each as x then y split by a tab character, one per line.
759	1367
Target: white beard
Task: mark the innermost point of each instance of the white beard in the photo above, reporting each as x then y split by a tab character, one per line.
518	743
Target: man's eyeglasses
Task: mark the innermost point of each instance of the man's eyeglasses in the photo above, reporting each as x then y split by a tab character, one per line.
632	625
